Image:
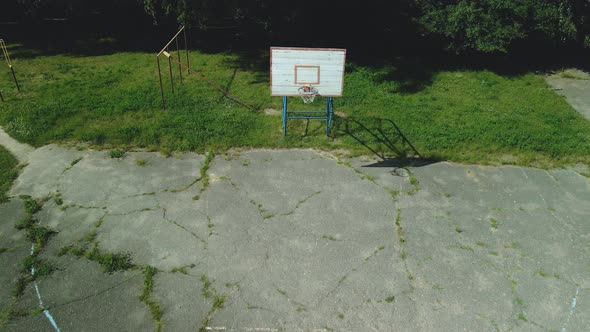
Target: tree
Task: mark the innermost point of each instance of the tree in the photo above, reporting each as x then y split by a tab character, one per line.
493	25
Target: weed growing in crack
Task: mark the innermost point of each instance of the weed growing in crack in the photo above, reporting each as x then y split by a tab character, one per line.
204	176
210	226
72	164
32	266
206	291
494	223
75	161
182	269
9	313
39	235
413	181
458	230
32	206
466	248
25	223
41	267
90	236
37	311
547	275
400	229
389	299
329	237
140	162
394	194
402	240
21	283
117	153
518	301
480	244
204	169
218	300
110	262
148	287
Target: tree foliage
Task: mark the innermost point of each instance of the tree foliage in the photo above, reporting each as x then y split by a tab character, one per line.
494	25
487	26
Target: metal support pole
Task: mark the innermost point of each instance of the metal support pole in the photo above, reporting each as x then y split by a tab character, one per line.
170	69
328	115
188	65
285	116
179	67
15	81
161	86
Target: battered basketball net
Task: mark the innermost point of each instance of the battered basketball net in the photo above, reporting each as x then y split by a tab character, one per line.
307	93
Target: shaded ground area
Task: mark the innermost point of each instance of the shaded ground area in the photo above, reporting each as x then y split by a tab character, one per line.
298	240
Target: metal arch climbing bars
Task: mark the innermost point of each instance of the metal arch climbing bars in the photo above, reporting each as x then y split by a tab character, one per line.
166	52
9	63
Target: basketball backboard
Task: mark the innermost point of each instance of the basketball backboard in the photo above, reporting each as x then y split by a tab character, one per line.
293	67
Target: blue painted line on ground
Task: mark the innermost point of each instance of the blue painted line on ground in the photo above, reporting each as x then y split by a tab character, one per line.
572	310
45	311
51	320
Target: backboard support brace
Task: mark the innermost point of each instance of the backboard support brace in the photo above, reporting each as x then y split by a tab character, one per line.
326	114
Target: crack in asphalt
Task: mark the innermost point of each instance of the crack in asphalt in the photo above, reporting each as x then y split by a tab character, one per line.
164	211
343	278
97	293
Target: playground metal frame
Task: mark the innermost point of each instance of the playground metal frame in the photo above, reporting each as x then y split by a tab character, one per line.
9	63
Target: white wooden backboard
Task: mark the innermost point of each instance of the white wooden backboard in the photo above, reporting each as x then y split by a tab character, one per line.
294	67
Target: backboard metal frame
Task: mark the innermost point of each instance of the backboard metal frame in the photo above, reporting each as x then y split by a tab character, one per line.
310	79
307	64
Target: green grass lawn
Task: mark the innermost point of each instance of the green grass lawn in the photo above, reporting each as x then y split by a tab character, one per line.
474	116
8	172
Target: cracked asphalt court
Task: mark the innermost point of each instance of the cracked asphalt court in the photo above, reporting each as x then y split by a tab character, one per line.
292	240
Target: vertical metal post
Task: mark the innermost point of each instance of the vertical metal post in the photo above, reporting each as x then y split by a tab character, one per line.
161	86
170	69
285	116
328	115
188	65
15	81
179	67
